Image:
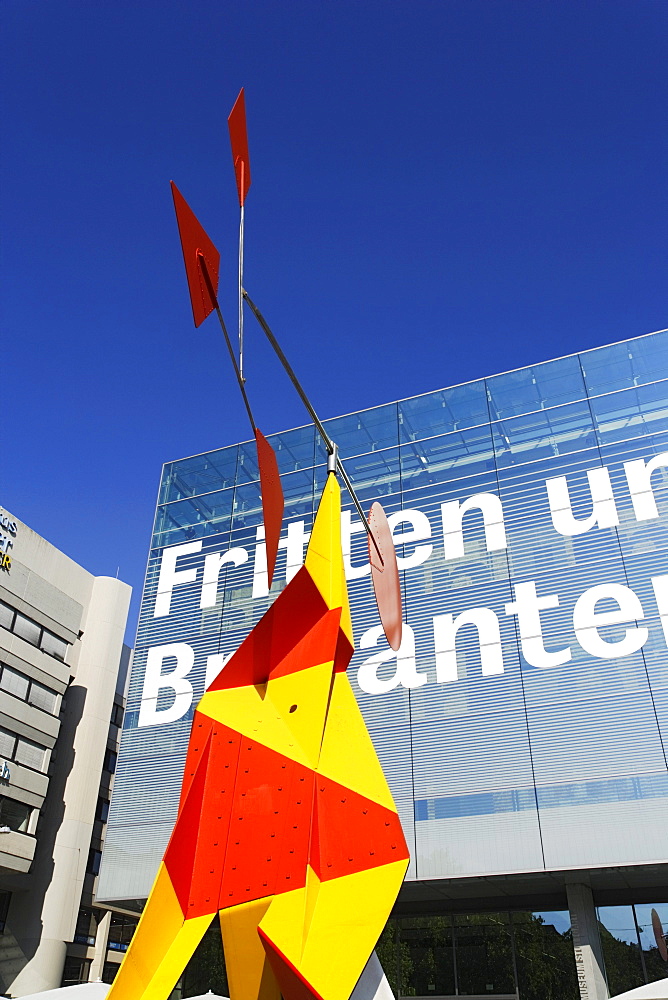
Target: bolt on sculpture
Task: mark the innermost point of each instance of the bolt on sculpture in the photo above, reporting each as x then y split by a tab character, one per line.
286	826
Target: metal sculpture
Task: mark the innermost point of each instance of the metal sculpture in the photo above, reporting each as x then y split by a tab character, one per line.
286	826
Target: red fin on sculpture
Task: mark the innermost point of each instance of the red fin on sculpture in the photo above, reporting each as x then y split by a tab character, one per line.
272	499
196	245
385	576
236	123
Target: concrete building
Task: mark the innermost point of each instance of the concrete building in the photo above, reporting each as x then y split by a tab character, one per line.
62	673
523	725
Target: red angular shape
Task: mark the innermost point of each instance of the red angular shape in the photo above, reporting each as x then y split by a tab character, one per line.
318	646
236	124
273	503
197	247
292	984
292	615
195	856
385	576
270	826
351	833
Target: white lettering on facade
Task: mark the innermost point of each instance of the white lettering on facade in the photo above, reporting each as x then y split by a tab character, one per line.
405	673
604	510
489	638
175	683
452	514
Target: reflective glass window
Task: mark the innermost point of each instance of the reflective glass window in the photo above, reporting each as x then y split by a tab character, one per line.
443	412
6	615
30	754
544	956
7	744
14	683
484	954
620	366
15	815
199	474
75	971
54	645
621	953
535	388
370	430
27	629
42	697
294	449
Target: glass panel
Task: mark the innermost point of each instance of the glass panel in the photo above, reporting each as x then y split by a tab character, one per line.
190	519
7	742
120	932
621	955
543	435
27	629
544	956
620	366
484	954
443	412
15	815
76	971
424	951
357	433
655	967
206	969
54	645
535	388
6	615
14	683
294	449
30	754
42	697
199	474
86	926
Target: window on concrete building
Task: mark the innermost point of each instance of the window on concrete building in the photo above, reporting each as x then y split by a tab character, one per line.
30	754
14	683
27	629
32	632
110	761
17	684
7	744
5	898
86	926
53	645
6	615
120	931
109	971
117	715
75	971
102	810
15	815
43	697
94	858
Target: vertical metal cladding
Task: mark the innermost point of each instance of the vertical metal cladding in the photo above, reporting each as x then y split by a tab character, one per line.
524	723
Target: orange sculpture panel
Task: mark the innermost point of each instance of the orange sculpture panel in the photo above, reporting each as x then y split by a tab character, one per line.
286	826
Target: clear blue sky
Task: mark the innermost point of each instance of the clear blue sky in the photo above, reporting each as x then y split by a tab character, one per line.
442	189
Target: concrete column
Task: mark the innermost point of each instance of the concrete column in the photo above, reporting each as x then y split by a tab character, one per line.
101	941
62	850
586	943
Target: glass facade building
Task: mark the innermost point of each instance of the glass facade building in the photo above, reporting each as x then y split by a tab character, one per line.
523	725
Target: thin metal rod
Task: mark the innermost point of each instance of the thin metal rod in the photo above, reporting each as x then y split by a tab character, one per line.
331	447
360	511
241	288
230	349
291	375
